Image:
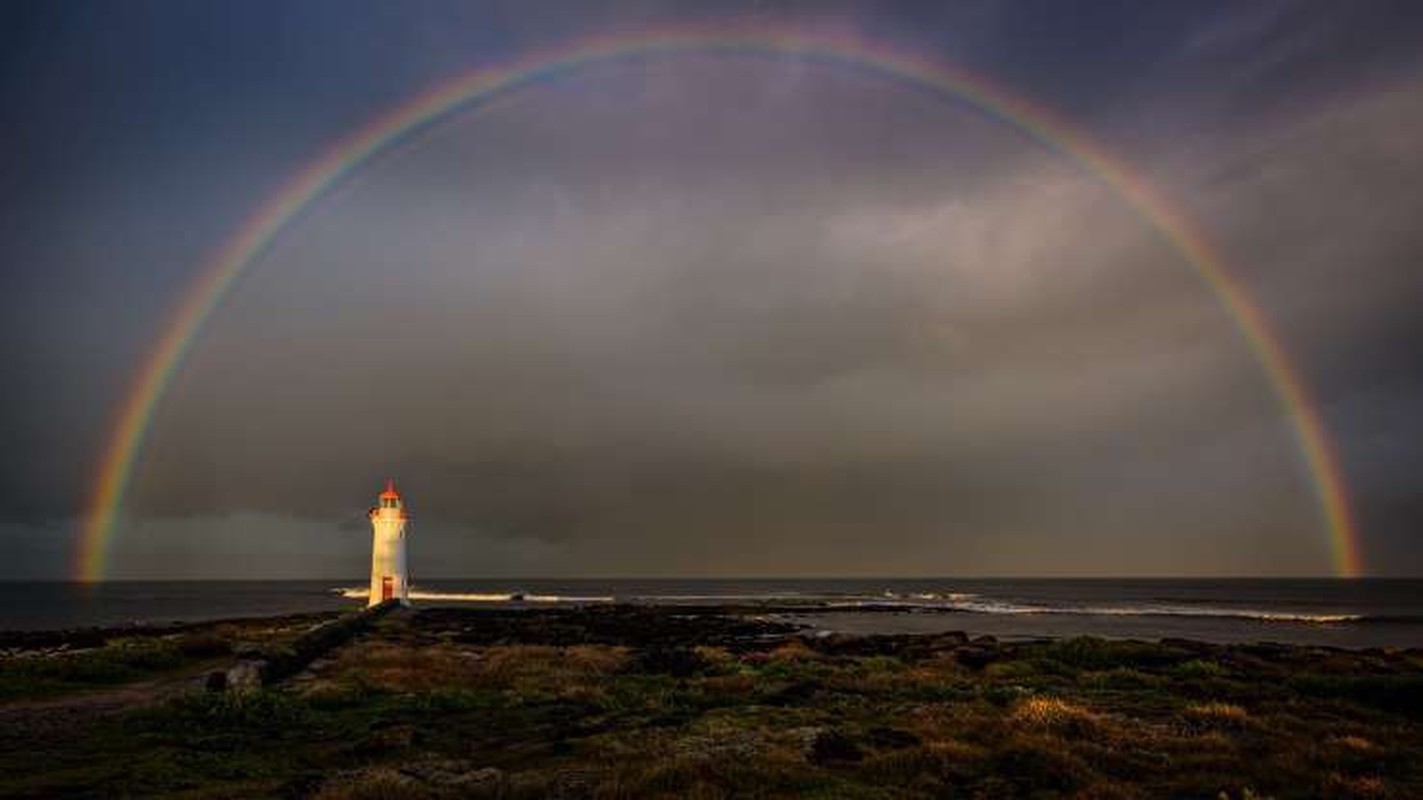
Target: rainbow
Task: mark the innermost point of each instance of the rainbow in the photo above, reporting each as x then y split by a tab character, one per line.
482	86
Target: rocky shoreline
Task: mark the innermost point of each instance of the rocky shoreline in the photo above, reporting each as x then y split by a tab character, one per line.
675	701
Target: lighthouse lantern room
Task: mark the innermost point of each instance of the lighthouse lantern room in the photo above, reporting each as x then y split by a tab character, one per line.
388	525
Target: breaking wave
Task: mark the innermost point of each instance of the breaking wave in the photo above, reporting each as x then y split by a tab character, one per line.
361	593
930	602
1168	611
971	603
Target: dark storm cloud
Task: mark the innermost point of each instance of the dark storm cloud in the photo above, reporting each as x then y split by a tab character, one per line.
598	344
698	316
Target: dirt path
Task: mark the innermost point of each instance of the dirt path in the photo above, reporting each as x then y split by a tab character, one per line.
29	723
32	723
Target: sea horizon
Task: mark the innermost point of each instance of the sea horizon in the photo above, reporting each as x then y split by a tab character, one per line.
1326	611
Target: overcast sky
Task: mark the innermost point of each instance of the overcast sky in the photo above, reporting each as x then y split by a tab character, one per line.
714	315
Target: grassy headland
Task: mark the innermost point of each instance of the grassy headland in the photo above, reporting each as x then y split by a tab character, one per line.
675	702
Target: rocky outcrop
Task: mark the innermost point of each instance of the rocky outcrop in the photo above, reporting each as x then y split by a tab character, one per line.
259	669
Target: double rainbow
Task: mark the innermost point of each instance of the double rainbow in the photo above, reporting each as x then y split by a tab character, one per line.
952	83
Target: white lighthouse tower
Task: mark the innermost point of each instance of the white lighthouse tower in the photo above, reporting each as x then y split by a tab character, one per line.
388	522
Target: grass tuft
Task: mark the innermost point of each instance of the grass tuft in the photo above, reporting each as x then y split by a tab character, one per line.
1219	715
1056	715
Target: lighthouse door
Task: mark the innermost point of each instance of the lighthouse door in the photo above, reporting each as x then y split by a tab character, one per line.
387	588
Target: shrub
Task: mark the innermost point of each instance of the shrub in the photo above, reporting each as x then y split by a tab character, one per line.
1222	715
1056	715
263	711
718	659
119	662
1350	743
875	664
1245	794
1198	668
793	650
1037	767
333	697
1004	696
725	689
1121	678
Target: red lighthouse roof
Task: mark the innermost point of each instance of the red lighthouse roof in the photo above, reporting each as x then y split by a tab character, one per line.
390	490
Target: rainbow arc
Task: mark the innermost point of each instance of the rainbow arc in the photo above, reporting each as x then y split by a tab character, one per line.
137	410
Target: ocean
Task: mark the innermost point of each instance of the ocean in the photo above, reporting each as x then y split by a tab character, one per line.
1341	613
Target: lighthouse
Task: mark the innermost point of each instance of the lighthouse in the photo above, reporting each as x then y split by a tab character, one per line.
388	523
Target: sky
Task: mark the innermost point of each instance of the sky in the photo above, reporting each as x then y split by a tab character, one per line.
704	315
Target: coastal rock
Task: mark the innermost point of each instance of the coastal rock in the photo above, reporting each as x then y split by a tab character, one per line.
910	647
244	675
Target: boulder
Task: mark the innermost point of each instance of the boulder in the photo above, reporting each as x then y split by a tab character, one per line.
245	675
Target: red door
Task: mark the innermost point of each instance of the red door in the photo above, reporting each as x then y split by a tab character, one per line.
387	588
